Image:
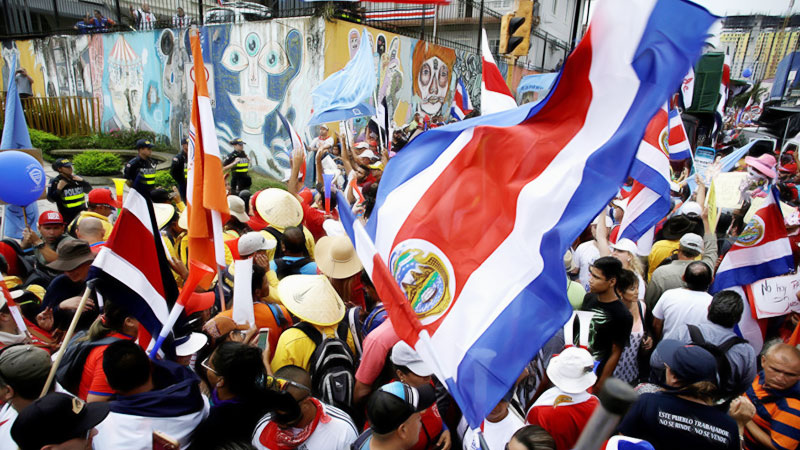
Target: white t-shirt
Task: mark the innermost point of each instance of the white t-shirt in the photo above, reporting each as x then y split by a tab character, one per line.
680	307
496	434
583	257
7	417
337	434
318	143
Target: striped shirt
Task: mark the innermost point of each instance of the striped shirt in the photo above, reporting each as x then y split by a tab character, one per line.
777	413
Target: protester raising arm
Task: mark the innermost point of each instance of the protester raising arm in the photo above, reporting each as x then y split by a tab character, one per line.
297	161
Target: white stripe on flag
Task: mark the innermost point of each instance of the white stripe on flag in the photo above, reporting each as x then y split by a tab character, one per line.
210	144
760	254
127	273
654	158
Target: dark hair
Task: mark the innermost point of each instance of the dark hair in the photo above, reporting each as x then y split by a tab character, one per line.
3	264
112	319
245	195
697	276
241	366
321	189
258	277
294	240
534	437
726	309
294	373
126	365
609	266
370	193
625	281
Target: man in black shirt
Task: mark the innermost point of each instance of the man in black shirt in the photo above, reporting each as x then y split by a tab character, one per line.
239	164
610	328
67	191
142	164
180	169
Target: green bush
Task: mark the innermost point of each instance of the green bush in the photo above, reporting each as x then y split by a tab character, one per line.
94	163
123	139
44	140
165	180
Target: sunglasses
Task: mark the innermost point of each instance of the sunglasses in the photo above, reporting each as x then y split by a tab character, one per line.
204	364
294	413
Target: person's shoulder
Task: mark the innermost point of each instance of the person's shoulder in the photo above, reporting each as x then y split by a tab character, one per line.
339	418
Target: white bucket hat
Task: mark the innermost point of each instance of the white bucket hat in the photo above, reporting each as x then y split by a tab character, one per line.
572	370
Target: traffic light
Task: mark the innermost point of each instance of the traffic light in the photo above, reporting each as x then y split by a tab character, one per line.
515	30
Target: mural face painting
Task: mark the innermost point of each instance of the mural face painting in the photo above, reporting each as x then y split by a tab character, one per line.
145	80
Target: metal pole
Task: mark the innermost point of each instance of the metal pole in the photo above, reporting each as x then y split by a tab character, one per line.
119	12
435	17
480	28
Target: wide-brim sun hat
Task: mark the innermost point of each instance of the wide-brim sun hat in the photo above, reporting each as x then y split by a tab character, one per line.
187	345
279	208
572	370
164	214
312	299
237	208
183	219
336	257
764	164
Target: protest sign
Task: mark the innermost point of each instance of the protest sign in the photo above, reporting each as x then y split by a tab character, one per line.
776	296
728	193
756	203
703	159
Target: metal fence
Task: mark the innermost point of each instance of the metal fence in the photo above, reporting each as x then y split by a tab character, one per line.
62	116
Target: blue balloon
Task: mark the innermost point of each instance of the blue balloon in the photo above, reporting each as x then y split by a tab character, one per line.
747	72
22	178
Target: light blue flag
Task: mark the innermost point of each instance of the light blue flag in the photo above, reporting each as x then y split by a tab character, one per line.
345	94
15	130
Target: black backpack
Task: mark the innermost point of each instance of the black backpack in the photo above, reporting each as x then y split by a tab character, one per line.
727	387
284	267
70	370
332	366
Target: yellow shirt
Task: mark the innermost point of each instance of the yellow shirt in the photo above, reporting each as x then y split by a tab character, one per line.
295	348
107	226
661	250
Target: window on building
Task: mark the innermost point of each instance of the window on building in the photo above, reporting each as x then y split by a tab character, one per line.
555	7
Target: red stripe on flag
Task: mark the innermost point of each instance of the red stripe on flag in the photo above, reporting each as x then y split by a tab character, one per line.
472	205
676	135
655	128
493	79
139	252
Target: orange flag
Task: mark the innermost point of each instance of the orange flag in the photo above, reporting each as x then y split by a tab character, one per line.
207	200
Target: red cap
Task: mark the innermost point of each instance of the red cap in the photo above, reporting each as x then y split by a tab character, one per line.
199	301
102	196
50	218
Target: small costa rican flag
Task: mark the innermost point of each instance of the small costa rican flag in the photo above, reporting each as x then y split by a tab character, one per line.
462	105
466	241
401	14
679	148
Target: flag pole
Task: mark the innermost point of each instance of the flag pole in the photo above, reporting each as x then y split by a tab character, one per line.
222	307
65	342
25	217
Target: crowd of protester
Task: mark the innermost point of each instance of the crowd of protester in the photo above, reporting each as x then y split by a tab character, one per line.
322	367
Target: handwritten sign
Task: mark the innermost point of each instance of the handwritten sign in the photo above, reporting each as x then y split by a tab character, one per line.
776	296
727	187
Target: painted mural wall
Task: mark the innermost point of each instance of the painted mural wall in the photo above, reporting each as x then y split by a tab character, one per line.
413	75
144	80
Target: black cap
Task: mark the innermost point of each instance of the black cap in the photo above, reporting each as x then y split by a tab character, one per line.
61	162
142	143
54	419
394	403
184	141
236	141
159	195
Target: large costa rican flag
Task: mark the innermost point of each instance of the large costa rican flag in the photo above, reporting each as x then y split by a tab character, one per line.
761	251
132	268
472	219
648	201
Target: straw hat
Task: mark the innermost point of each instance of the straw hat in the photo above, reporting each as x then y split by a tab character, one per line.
164	213
280	208
183	219
236	206
336	257
312	299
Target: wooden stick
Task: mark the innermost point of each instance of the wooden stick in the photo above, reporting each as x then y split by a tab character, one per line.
220	280
65	342
25	217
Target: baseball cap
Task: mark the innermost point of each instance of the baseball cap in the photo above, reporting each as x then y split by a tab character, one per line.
236	141
690	363
404	355
219	326
322	125
368	154
102	196
184	141
254	241
22	363
625	245
362	144
393	403
61	162
141	143
691	208
51	218
692	241
65	417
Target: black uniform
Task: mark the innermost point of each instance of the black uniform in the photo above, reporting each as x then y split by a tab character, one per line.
179	171
71	200
146	167
239	178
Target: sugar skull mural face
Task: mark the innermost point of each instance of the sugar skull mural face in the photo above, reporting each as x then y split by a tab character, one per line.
125	83
353	41
264	69
432	67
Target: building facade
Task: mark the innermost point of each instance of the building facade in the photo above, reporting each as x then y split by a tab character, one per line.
758	43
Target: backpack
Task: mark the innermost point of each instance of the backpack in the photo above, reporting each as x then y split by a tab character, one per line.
284	268
332	366
727	388
375	317
279	237
70	370
362	441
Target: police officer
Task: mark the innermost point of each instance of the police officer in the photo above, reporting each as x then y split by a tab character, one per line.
239	164
67	191
180	169
142	164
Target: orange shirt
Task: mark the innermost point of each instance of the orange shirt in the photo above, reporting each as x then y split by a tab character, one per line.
265	318
93	380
